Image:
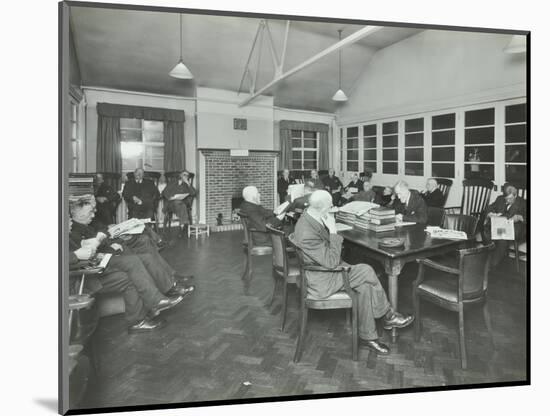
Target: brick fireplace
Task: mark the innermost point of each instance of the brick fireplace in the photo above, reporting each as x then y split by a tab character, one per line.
225	176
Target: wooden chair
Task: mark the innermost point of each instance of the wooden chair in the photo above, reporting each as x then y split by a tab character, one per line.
444	186
346	299
476	194
284	271
454	288
435	216
458	222
250	249
154	177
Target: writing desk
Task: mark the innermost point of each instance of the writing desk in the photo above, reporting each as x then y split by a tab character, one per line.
418	244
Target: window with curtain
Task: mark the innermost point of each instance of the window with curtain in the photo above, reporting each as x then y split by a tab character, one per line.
305	150
516	143
389	147
352	149
141	144
443	145
369	148
479	144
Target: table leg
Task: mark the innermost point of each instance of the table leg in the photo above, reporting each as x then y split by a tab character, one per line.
393	269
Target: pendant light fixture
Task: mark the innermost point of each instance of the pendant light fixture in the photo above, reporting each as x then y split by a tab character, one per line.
180	70
340	95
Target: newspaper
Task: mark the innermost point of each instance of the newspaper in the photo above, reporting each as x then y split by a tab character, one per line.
502	228
131	226
358	207
296	191
438	232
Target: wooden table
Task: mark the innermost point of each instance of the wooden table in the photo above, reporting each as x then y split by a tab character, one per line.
418	244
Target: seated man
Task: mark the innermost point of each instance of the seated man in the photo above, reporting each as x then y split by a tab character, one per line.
387	199
179	197
410	207
433	195
258	216
282	185
141	196
107	200
334	186
314	181
315	234
513	207
366	194
354	186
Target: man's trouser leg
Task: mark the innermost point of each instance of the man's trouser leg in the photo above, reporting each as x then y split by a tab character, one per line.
118	282
164	280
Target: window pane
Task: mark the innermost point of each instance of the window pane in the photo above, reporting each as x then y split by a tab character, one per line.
479	135
369	154
130	123
443	137
296	133
370	166
130	135
416	169
153	136
479	171
310	164
353	143
153	125
415	124
389	128
369	143
416	139
296	164
353	166
443	170
310	144
516	134
308	154
296	143
516	153
484	153
74	148
353	154
444	121
296	154
73	130
353	132
389	154
389	141
310	135
369	130
516	173
131	150
446	154
74	112
483	117
414	154
389	167
516	113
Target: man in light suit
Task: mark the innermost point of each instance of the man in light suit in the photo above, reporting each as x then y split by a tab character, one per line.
411	206
315	235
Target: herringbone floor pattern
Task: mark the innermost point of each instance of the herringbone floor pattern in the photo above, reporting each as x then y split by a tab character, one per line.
223	344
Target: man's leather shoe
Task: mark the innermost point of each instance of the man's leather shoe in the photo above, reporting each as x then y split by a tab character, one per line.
165	304
147	325
180	290
376	346
398	321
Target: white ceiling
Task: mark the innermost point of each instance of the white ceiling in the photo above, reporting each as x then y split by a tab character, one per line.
135	50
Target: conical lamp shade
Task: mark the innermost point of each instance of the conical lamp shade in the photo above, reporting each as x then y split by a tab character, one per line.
340	96
518	44
181	71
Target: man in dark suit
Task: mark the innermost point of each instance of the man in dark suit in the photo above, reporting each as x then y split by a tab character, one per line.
107	200
315	234
258	216
282	185
433	195
366	194
511	206
141	195
314	181
354	186
334	186
410	207
179	197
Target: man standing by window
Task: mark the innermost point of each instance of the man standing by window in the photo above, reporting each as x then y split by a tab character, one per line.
282	185
141	195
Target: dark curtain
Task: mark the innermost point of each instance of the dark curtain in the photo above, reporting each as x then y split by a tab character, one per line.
285	128
145	113
108	155
174	146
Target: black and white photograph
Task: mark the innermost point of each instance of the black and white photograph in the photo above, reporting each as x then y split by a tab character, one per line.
277	207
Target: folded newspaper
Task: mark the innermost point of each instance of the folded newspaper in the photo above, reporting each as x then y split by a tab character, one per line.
438	232
358	207
131	226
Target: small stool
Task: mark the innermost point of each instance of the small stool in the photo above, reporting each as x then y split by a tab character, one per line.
198	229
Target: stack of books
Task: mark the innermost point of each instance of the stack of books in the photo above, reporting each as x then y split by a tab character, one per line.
345	217
378	219
81	184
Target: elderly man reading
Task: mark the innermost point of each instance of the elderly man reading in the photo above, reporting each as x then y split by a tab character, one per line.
179	196
315	234
410	207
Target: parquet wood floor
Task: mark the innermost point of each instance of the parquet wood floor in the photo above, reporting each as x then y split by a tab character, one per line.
224	344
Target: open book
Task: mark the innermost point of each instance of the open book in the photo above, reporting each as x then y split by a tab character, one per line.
281	208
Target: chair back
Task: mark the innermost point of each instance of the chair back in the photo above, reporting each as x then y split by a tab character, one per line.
458	222
278	243
474	270
444	186
301	281
476	194
244	222
435	216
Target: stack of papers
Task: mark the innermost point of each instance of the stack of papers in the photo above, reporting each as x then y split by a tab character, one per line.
343	227
358	207
438	232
